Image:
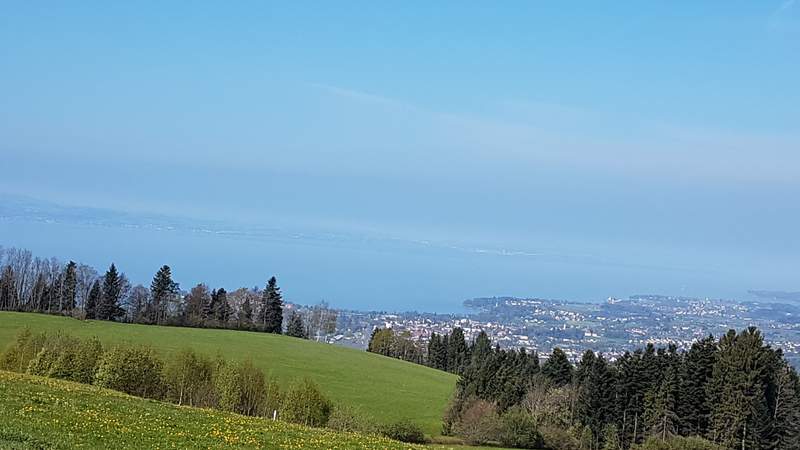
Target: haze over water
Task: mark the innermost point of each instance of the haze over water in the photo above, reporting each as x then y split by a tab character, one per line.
423	154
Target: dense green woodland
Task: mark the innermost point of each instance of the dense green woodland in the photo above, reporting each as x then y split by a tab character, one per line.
736	392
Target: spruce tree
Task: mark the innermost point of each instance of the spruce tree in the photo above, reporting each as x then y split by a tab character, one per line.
162	290
437	352
222	309
661	406
456	351
371	345
271	314
786	408
444	345
585	381
481	348
631	391
295	327
737	391
433	344
109	307
69	287
558	368
698	368
210	308
596	392
93	300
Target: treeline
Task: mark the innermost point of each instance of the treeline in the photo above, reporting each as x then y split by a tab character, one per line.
35	284
189	378
449	352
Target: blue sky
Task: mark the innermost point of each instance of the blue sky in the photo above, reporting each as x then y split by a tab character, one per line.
642	131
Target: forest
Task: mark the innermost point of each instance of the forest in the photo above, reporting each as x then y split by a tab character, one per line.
735	392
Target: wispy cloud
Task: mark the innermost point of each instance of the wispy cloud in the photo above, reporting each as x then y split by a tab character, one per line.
788	4
784	19
358	95
544	135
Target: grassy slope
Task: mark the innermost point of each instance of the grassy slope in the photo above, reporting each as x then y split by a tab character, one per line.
385	388
38	412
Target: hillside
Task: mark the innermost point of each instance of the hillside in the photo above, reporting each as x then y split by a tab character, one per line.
384	388
39	413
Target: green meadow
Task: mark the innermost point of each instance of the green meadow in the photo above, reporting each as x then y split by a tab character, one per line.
44	413
383	388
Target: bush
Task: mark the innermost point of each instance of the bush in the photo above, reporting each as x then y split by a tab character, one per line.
404	431
52	349
346	418
133	370
188	379
677	443
241	388
518	430
478	423
452	414
305	404
19	354
611	438
68	358
274	397
557	438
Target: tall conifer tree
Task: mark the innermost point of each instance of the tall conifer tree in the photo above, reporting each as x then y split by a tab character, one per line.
222	310
271	314
162	290
109	307
93	300
69	287
697	370
295	327
558	368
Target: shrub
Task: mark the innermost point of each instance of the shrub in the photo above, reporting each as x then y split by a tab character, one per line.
90	352
20	353
305	404
80	362
68	358
188	378
53	346
478	423
273	400
133	370
557	438
452	414
677	443
586	439
347	418
404	431
518	429
241	388
611	438
550	405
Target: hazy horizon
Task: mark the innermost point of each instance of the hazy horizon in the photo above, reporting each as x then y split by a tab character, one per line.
564	151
